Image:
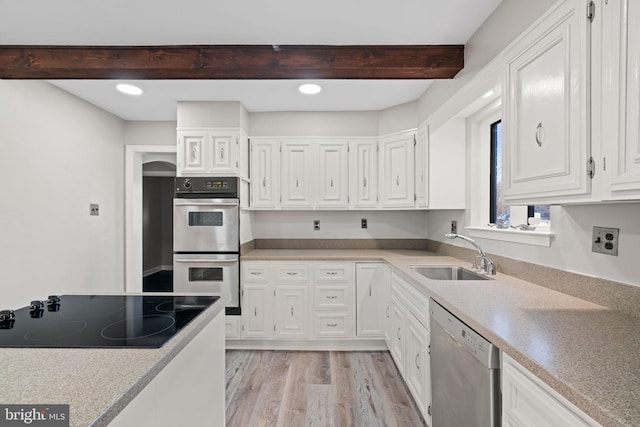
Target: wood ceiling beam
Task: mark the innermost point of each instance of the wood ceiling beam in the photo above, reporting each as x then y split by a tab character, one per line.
232	62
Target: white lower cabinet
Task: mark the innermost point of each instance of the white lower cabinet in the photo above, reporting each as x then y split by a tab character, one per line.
410	341
370	288
291	311
528	402
298	300
417	362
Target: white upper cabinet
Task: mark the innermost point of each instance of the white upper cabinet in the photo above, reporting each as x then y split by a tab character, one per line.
621	98
297	174
396	168
546	108
265	173
421	162
332	174
363	173
211	152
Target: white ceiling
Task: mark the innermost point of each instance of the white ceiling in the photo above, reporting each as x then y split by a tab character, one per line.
164	22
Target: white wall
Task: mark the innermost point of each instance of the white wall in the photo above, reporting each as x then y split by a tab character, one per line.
340	225
58	154
398	118
150	133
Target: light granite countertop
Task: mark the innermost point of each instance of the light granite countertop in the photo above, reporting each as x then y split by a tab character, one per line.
96	383
586	352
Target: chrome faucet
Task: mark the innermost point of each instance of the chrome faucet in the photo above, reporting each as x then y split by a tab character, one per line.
487	266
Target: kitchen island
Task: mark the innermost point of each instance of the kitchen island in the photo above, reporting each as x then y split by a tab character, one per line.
180	382
584	351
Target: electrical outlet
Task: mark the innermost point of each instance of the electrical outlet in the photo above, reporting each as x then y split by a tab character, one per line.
605	240
94	209
316	225
454	227
363	223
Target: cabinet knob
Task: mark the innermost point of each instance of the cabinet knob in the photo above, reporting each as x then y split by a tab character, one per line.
539	134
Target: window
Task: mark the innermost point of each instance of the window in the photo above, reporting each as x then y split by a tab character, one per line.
499	213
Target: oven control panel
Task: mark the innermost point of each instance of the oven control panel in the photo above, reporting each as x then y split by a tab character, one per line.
226	187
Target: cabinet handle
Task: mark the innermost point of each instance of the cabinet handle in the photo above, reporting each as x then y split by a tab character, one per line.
369	290
256	273
331	182
332	296
296	182
538	134
255	311
398	334
291	311
387	311
221	153
364	182
331	273
417	356
264	181
194	153
397	180
291	273
332	325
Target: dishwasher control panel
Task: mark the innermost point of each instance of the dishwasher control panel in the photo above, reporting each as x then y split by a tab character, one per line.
475	343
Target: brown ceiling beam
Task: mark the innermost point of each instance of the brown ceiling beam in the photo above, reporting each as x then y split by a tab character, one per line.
231	62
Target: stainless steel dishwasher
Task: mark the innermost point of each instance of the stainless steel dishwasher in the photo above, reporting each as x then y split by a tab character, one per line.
465	375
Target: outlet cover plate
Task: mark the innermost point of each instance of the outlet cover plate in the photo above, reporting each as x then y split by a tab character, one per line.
316	225
363	223
605	240
454	227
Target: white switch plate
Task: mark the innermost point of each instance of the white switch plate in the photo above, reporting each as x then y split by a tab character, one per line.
605	240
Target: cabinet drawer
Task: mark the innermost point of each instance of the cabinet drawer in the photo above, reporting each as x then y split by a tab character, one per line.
340	273
292	273
417	302
333	325
332	298
255	273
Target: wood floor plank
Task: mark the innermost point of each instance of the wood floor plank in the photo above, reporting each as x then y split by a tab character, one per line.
267	408
343	411
294	401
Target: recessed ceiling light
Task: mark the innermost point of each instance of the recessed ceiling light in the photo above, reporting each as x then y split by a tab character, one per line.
309	88
129	89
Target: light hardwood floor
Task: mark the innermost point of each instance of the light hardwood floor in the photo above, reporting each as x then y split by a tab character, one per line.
300	388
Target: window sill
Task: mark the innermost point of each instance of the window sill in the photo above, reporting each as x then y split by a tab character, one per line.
535	238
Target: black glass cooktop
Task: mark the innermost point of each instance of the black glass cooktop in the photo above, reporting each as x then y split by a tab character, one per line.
100	321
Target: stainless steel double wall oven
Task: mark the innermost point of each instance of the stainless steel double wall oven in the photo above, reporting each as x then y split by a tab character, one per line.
206	238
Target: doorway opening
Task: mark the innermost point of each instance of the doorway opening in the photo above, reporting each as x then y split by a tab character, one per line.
160	161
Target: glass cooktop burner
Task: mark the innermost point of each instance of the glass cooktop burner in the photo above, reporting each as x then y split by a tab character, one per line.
102	321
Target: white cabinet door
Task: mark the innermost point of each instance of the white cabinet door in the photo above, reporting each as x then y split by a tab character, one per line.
396	166
387	325
265	173
190	151
546	105
256	311
621	108
291	310
370	299
528	402
297	172
421	162
417	364
363	174
222	151
332	181
398	311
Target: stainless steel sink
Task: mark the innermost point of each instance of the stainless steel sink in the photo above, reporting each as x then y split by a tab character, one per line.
447	272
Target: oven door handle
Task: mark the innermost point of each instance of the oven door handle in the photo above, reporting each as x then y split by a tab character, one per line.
214	261
207	204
